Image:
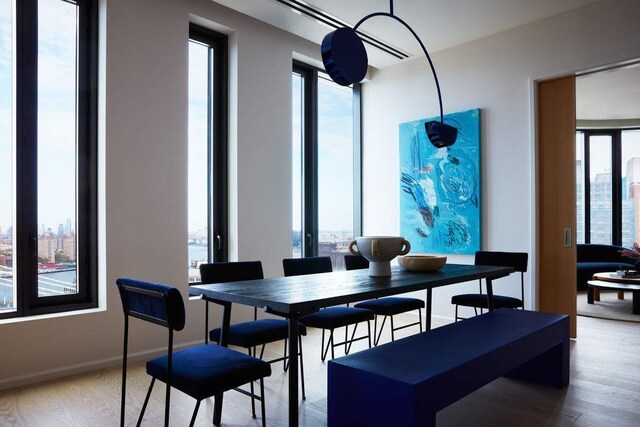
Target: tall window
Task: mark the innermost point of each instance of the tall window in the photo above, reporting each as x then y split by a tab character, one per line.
207	191
48	160
326	165
608	204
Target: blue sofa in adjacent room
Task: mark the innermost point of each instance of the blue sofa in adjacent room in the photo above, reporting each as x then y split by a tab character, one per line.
594	258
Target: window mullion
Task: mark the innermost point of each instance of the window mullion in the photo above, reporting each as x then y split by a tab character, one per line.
616	188
26	110
310	164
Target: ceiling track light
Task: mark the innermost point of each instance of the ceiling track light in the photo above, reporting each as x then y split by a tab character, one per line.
345	60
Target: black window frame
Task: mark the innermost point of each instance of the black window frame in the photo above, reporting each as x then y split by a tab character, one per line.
616	181
309	184
28	303
218	176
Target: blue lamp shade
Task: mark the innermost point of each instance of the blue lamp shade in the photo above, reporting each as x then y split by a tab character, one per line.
344	56
440	134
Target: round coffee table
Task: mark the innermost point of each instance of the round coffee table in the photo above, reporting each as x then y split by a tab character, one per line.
610	280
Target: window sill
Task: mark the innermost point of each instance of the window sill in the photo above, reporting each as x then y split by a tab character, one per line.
52	315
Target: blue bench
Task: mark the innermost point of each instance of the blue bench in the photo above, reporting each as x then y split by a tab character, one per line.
404	383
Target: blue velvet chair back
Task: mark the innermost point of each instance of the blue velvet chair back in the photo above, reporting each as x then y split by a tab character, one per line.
153	302
220	272
517	260
311	265
355	262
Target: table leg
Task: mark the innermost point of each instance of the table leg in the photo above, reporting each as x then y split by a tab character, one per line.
293	371
621	295
635	295
590	291
596	294
490	304
428	309
224	336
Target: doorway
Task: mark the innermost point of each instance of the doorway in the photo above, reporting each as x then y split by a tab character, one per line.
607	183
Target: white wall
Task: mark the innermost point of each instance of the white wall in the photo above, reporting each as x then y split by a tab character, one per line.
144	146
495	74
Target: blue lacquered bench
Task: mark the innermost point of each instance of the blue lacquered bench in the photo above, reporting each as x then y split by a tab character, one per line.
404	383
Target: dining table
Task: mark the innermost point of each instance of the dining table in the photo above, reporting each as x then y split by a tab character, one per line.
296	296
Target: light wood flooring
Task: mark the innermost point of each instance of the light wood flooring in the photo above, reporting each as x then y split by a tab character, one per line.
604	391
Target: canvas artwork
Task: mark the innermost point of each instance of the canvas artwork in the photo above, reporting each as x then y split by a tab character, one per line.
440	187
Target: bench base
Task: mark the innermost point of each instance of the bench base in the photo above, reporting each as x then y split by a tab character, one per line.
405	383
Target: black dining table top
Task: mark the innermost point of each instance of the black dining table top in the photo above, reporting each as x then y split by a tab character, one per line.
308	293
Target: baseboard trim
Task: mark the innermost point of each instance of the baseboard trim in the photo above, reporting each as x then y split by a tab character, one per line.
81	368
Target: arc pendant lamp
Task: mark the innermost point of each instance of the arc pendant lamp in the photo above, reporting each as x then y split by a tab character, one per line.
345	60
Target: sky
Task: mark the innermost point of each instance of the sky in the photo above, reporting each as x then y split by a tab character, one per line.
335	155
56	111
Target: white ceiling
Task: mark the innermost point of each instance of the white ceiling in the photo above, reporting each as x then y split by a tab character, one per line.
440	24
609	95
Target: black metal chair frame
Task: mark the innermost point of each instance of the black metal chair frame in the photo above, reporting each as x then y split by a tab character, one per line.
356	264
378	334
162	322
253	352
475	309
346	343
331	343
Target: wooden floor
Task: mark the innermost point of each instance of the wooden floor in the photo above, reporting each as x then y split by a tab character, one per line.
604	391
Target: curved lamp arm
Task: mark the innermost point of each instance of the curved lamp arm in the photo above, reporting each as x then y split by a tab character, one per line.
345	59
424	49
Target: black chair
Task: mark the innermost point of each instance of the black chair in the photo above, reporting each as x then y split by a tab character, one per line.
201	371
517	260
386	307
258	332
332	317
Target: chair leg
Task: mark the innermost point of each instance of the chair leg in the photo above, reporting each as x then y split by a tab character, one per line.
392	329
217	409
375	329
347	347
369	332
262	404
456	313
324	350
253	399
285	365
261	352
304	395
253	402
376	339
420	319
146	401
195	414
333	356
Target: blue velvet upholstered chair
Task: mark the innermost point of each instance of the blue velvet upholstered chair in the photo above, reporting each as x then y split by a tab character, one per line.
329	318
386	307
517	260
201	371
255	333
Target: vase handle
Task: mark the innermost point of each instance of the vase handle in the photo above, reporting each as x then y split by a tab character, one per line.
353	248
407	247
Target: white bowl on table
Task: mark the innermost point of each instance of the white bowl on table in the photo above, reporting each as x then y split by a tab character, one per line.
422	262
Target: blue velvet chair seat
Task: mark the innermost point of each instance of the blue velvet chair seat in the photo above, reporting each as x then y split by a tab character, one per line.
257	332
480	301
206	370
336	317
392	305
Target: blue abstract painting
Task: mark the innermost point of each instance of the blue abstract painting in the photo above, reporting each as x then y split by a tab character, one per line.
440	187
